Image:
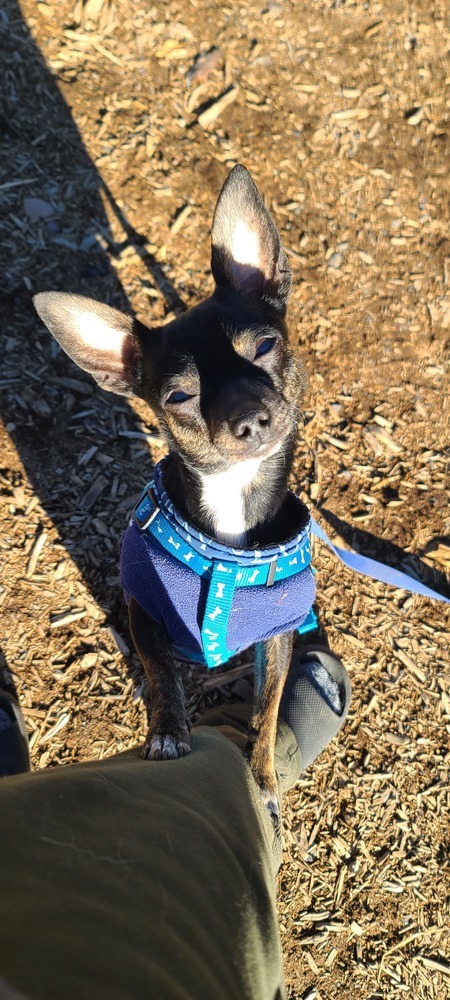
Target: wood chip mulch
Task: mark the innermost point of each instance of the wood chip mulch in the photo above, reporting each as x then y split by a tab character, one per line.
120	122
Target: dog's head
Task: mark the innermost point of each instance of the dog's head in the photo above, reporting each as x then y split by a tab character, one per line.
221	378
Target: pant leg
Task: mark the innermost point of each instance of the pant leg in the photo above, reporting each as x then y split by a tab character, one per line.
127	878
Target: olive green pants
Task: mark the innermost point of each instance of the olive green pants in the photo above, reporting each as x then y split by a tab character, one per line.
126	878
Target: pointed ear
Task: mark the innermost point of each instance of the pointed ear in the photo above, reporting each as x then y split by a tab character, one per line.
246	248
101	340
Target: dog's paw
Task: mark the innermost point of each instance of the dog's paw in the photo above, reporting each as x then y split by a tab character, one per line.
166	746
266	781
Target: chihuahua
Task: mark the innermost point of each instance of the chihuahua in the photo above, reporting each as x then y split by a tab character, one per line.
225	387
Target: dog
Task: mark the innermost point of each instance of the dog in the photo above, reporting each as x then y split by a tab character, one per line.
226	389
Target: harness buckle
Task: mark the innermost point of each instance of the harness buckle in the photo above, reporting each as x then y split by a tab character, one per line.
145	510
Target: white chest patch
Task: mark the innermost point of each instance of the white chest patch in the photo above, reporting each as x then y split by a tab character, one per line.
223	499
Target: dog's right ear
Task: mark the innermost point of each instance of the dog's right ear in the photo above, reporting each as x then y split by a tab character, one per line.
101	340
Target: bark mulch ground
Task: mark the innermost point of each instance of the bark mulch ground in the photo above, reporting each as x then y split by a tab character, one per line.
120	122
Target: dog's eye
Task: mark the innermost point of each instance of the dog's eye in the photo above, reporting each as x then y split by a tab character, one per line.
263	346
178	396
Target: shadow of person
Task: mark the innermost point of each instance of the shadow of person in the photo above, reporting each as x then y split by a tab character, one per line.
75	441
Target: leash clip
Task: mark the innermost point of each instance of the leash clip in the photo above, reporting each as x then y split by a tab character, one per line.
145	510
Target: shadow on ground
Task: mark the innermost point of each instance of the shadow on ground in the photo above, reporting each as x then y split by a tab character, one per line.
75	441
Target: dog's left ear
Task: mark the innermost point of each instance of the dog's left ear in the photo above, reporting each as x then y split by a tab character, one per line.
246	248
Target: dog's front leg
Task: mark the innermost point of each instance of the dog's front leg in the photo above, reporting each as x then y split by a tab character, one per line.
168	736
270	673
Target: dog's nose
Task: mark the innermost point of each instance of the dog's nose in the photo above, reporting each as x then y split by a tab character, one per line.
252	426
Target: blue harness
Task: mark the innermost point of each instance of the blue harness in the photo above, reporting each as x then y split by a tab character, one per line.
214	600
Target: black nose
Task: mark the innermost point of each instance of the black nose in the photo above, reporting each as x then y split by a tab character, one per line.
253	427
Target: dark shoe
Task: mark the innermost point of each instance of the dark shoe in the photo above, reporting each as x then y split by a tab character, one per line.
14	753
315	699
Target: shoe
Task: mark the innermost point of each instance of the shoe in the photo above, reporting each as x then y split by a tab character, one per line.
315	699
14	752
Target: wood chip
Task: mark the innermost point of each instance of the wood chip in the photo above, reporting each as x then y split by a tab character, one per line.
87	455
337	442
180	219
120	643
383	438
93	493
51	733
35	553
67	617
410	664
374	28
215	109
350	113
436	964
74	384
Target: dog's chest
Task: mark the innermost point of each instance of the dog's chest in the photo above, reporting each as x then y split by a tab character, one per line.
222	500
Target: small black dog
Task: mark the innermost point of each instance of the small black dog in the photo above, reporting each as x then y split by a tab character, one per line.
224	385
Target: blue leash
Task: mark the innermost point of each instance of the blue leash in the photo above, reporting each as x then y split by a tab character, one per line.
377	570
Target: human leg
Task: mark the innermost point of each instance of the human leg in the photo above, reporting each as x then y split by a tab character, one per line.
128	877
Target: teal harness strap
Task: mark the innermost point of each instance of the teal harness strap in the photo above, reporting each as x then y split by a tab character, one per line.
217	613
